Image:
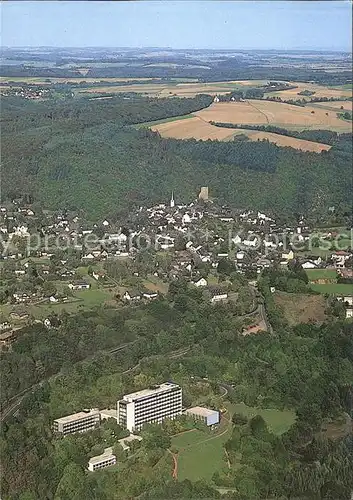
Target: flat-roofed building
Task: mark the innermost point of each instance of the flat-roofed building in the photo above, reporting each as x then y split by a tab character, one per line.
151	405
106	459
209	417
108	413
78	422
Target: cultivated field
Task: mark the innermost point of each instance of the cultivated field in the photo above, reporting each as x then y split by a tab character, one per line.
283	140
171	89
261	112
301	308
320	91
335	105
193	128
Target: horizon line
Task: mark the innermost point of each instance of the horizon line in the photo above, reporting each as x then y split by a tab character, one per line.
155	47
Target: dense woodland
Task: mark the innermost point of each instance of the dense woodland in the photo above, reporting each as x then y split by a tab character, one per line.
306	368
87	155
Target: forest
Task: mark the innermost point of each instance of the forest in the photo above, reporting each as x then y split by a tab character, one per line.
307	368
86	155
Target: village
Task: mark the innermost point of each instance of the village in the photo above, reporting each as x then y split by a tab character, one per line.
55	262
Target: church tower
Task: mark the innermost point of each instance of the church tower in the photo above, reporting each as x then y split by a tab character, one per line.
172	202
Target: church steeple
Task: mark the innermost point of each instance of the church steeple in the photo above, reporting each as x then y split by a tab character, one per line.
172	202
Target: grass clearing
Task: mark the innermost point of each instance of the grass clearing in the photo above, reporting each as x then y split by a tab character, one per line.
333	288
315	274
156	285
201	454
278	421
301	308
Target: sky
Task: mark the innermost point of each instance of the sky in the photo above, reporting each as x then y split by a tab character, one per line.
179	24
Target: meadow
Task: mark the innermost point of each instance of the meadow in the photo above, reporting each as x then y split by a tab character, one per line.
315	274
333	288
301	308
200	454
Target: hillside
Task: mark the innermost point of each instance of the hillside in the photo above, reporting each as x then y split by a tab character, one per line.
84	155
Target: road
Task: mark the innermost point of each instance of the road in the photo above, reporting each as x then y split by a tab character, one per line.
14	403
259	311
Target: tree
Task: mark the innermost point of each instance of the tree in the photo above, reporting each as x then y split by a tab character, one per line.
154	436
49	289
72	484
119	452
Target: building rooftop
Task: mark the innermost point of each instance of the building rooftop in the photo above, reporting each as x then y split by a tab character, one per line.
133	396
108	453
199	410
108	413
76	416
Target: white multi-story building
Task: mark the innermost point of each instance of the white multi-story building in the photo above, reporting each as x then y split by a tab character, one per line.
151	405
106	459
78	422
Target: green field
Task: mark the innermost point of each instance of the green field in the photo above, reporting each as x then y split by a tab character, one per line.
278	421
333	288
316	274
201	454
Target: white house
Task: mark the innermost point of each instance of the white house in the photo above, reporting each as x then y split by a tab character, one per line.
217	294
201	282
309	264
79	285
349	313
288	256
347	299
150	295
132	296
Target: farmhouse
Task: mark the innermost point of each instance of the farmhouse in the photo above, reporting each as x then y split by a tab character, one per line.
79	285
217	294
339	258
132	295
98	275
7	338
200	282
309	264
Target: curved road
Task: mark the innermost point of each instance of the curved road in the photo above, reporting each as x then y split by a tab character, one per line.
14	403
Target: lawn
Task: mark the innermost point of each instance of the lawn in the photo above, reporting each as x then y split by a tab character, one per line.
81	299
316	274
201	454
278	421
333	288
